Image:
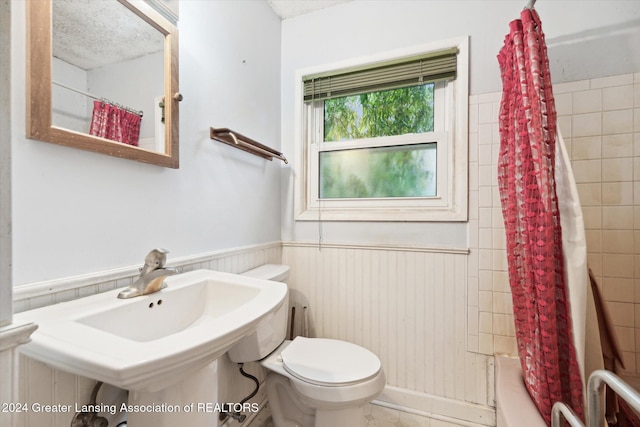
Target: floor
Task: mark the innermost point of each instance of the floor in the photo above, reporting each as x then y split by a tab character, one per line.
376	416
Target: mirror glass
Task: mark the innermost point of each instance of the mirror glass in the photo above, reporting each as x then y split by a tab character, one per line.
103	77
107	67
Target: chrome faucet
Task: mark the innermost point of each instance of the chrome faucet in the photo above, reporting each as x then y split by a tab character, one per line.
152	275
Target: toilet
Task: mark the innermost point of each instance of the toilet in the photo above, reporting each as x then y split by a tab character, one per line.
311	382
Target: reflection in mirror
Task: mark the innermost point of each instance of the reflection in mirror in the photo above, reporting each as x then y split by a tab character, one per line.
103	76
107	73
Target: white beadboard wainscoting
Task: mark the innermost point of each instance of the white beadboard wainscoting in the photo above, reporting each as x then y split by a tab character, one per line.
41	384
409	306
11	337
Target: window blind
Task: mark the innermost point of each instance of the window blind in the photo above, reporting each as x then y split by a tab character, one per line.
431	67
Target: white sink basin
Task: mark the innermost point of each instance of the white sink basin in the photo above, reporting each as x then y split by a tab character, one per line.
151	342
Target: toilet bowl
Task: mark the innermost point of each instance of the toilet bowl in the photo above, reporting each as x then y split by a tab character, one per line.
312	382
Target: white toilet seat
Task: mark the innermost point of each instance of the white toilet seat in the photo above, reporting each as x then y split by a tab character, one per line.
310	381
328	362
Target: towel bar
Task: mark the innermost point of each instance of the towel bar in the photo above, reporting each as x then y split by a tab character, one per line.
242	142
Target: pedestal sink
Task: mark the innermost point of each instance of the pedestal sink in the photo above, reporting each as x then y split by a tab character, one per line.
159	346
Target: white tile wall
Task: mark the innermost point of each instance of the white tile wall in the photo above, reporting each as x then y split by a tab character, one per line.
600	121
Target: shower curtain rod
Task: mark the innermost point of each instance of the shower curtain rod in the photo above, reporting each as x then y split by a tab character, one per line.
108	101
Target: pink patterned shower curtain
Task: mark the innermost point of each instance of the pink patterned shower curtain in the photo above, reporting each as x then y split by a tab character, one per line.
115	123
526	179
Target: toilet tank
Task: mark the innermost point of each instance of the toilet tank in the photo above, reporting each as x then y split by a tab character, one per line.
272	330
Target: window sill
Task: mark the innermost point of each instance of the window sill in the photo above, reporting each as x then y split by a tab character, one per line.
444	214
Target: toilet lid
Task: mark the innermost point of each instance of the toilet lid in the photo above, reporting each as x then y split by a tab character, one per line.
329	362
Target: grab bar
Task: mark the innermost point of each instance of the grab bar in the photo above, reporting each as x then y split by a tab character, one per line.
595	390
242	142
561	410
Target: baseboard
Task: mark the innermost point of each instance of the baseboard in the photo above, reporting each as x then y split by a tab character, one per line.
436	407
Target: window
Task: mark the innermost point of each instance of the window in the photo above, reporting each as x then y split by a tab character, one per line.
387	140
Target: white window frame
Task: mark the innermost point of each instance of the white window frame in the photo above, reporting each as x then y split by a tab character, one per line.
450	134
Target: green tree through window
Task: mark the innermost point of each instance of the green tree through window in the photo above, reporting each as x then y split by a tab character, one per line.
395	171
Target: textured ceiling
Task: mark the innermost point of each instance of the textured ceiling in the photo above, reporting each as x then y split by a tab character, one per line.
89	33
290	8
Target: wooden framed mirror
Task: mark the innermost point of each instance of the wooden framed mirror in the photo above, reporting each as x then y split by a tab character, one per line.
117	58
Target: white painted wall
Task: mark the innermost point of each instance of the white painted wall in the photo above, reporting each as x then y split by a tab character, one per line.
5	165
130	83
586	39
76	212
70	109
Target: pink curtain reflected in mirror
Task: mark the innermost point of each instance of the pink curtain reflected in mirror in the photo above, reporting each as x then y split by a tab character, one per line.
115	123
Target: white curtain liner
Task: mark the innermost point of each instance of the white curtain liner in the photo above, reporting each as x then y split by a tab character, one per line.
574	246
